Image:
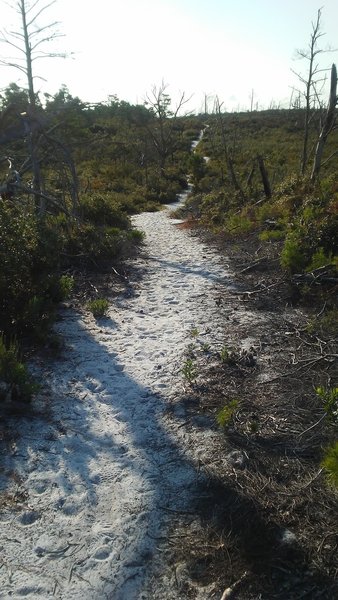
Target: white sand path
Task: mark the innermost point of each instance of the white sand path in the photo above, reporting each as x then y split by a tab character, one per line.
100	471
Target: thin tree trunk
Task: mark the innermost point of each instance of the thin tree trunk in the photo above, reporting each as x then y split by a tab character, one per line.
306	132
230	167
250	176
313	69
327	126
265	176
33	137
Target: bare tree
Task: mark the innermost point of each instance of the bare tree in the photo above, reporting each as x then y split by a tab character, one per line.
206	103
328	125
29	40
252	95
163	127
28	43
312	82
228	158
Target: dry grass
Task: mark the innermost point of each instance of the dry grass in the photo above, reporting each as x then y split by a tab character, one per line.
274	518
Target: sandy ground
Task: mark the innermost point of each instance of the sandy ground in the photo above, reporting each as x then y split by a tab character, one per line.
96	475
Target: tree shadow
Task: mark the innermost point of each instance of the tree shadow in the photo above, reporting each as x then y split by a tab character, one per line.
276	563
104	477
186	268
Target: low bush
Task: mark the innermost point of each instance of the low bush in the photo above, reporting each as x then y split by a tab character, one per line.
296	252
189	371
98	307
15	380
104	209
330	464
329	397
225	415
135	235
271	235
327	324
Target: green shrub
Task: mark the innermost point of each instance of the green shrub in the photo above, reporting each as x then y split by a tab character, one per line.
271	235
296	253
329	230
14	373
189	371
329	397
239	223
87	243
328	323
135	235
273	210
104	209
320	259
66	286
18	249
59	288
330	464
225	415
165	189
224	354
37	318
98	307
27	266
197	167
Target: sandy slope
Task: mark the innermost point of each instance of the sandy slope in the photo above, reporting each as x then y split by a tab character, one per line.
96	474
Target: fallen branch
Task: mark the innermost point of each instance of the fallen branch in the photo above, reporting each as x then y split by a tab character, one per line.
252	266
264	288
228	593
314	425
303	487
317	276
123	277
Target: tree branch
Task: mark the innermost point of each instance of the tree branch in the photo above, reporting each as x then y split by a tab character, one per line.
39	12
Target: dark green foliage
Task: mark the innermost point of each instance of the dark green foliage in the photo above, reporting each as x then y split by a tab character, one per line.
104	209
33	253
197	167
23	279
89	243
64	288
135	235
15	381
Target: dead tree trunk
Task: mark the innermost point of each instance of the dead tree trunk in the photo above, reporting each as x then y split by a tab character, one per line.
327	126
250	176
264	176
310	82
231	172
32	138
27	44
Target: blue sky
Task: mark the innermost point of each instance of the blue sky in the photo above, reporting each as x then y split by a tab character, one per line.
222	47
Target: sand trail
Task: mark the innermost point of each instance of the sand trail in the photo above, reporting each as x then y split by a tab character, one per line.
97	472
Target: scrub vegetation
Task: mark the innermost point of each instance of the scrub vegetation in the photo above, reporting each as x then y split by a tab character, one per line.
295	214
266	199
97	166
265	191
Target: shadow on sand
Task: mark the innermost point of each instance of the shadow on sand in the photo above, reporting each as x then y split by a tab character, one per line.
99	468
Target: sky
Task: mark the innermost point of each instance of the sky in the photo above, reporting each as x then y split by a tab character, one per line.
204	48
